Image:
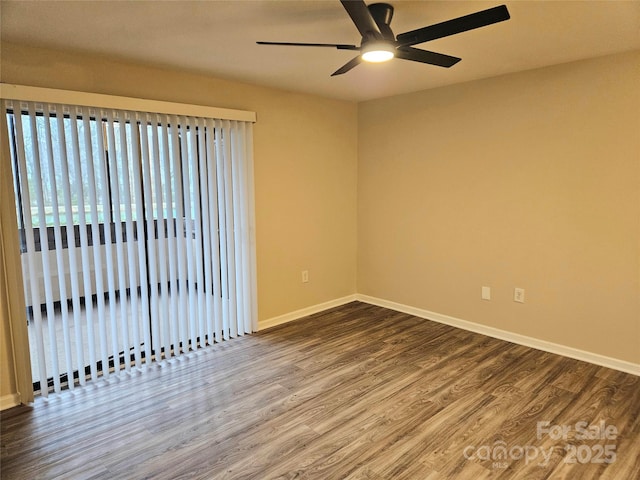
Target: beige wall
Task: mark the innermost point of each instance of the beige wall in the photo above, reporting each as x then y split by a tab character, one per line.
529	180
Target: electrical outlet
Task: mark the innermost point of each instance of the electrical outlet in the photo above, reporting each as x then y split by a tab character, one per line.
518	295
486	293
305	276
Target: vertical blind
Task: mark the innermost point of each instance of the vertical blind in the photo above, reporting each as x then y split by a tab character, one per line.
136	234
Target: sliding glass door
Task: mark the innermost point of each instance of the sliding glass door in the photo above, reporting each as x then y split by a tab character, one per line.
135	236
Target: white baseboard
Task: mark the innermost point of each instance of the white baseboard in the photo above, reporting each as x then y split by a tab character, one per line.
289	317
597	359
8	401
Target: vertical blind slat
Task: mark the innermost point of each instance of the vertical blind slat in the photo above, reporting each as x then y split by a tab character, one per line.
114	179
253	272
152	256
222	218
148	281
158	213
30	241
187	172
99	339
173	315
84	253
198	137
183	306
44	249
241	260
124	131
108	248
244	228
212	180
60	269
229	214
71	243
141	328
205	195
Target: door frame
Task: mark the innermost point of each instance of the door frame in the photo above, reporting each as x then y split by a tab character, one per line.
12	293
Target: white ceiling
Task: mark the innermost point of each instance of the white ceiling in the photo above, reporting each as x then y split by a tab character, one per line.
218	38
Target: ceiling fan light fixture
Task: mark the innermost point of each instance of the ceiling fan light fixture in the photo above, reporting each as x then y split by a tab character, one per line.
377	52
380	44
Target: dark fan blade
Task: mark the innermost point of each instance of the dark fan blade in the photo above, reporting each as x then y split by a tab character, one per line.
424	56
457	25
354	62
339	46
362	18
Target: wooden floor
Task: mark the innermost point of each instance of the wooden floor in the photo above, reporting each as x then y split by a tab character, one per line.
355	392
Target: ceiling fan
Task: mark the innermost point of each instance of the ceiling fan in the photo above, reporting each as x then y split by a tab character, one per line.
379	43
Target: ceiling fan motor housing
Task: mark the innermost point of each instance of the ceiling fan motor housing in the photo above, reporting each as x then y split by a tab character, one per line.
382	14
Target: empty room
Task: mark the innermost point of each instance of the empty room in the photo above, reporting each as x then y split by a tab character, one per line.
329	239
